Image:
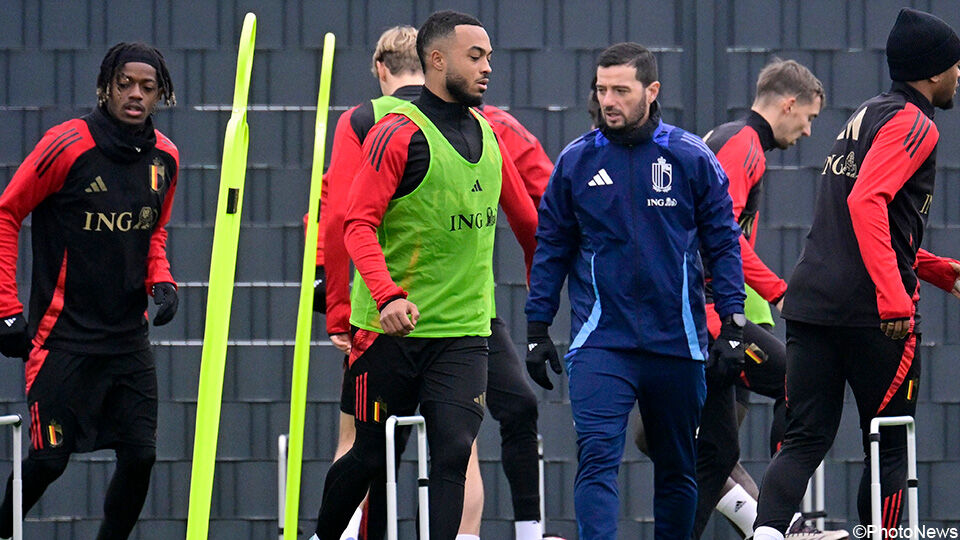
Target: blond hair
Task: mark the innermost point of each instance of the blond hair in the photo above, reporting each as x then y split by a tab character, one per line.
397	50
789	78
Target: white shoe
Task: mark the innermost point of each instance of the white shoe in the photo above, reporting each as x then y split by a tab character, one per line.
799	530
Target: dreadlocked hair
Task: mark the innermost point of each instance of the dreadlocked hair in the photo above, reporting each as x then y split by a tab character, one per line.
112	62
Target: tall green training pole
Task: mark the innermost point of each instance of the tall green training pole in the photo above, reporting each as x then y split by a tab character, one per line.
223	265
301	348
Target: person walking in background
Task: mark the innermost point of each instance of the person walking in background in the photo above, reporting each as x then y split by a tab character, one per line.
788	98
397	69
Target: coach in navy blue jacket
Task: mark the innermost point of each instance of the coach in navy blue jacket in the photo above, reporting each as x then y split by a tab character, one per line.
627	212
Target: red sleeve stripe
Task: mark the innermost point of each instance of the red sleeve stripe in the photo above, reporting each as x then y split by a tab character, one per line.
46	151
921	125
756	154
746	158
752	159
68	144
378	154
59	147
378	135
515	130
926	128
916	120
381	134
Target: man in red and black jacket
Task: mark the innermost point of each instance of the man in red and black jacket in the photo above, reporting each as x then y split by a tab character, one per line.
851	304
788	98
525	150
100	191
397	68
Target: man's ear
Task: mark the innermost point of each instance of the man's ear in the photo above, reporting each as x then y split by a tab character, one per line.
787	103
382	71
437	61
652	90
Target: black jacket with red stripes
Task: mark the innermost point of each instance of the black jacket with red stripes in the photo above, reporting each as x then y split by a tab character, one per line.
100	194
740	147
862	257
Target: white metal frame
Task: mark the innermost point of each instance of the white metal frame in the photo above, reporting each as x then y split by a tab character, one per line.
422	486
16	423
875	496
281	480
813	499
543	512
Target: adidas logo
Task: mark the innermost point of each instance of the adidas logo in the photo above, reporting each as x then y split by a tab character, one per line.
476	187
601	179
531	346
10	321
739	505
97	186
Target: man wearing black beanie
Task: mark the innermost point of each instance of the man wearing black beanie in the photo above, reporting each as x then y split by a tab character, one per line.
851	302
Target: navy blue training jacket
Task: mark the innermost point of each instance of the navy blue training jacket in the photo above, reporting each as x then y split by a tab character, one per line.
626	224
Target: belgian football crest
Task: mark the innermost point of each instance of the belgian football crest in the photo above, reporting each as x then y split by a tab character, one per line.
157	173
54	434
662	175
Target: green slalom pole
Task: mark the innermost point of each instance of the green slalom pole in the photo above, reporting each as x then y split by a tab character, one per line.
223	264
301	348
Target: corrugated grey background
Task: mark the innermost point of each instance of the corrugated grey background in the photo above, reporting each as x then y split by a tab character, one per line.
709	54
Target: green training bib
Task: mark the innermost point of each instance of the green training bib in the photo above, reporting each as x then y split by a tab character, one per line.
438	239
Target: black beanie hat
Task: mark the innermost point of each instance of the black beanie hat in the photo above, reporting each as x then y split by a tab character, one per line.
920	46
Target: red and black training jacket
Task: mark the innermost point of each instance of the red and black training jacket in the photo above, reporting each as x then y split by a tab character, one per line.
862	261
100	195
740	147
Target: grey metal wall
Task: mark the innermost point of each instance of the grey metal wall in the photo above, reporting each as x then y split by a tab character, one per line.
709	54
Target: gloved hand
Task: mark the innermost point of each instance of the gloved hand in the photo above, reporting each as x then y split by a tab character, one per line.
165	296
726	355
14	342
540	350
320	291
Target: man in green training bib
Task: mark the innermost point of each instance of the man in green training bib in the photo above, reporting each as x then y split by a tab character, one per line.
420	226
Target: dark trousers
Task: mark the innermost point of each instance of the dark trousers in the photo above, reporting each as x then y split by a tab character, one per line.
80	403
446	378
513	405
604	385
821	360
718	441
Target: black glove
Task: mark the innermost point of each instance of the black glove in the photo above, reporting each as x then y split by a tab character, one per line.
320	291
540	350
726	355
165	296
14	342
